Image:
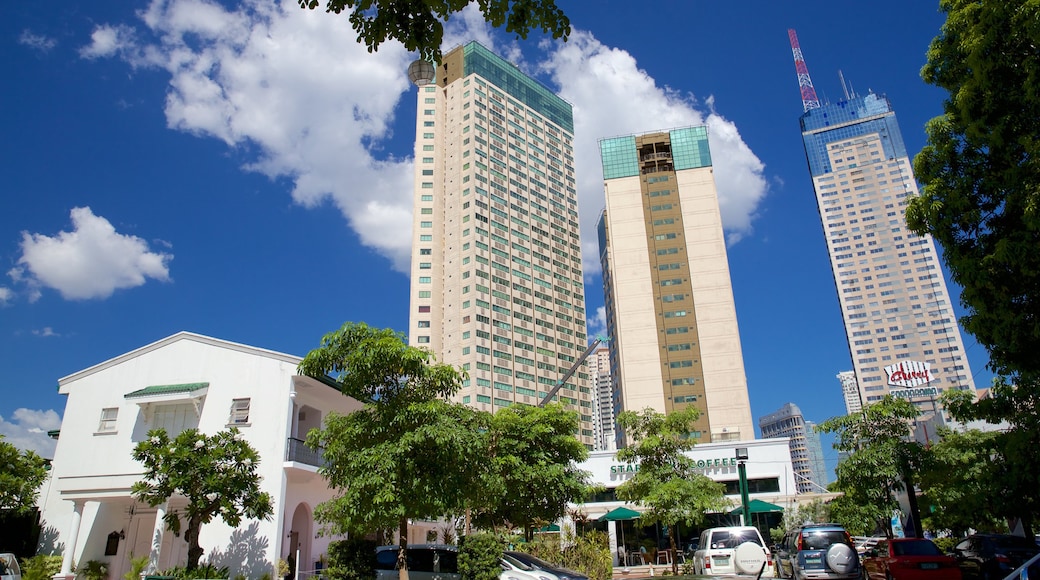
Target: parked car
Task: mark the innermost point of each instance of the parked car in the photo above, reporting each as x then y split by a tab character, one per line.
992	556
425	562
9	567
908	559
817	551
558	571
514	569
731	550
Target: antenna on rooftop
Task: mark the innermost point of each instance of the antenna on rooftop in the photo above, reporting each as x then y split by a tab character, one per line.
809	99
844	87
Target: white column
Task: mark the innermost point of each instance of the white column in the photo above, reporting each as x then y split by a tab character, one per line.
157	537
70	545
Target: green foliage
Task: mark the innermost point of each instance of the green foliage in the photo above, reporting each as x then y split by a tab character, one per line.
479	555
41	567
94	570
815	511
216	473
21	475
667	483
203	572
138	564
407	454
533	471
980	172
588	553
777	534
417	24
946	543
351	559
881	455
960	483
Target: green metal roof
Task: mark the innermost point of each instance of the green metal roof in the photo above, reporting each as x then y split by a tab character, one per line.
156	390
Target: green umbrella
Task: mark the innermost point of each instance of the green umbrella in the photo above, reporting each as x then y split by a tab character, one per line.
620	514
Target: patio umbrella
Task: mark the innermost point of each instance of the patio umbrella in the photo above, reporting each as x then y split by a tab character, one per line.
757	506
620	514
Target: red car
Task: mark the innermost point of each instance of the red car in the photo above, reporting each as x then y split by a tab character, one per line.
908	559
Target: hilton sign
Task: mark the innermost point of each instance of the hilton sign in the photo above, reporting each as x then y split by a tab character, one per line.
909	374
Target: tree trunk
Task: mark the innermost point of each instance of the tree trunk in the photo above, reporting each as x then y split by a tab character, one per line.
195	551
402	554
675	554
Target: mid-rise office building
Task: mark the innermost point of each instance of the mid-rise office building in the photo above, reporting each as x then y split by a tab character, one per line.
850	392
817	462
899	318
496	278
668	295
788	422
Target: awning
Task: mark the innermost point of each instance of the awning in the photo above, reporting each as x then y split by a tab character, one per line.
758	506
619	514
552	528
148	397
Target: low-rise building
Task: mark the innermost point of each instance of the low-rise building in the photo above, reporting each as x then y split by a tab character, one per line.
181	382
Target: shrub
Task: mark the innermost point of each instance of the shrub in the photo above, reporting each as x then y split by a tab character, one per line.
478	556
40	567
945	545
588	554
137	567
352	559
95	570
202	572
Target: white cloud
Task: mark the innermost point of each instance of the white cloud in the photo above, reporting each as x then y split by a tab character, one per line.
612	96
6	295
91	261
45	332
597	325
28	430
108	41
318	107
37	42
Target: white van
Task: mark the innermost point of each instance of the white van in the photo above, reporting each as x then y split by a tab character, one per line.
732	550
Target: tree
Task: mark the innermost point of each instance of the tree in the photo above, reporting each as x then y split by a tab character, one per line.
534	473
217	474
880	462
407	453
959	482
1015	488
21	475
667	482
417	23
980	172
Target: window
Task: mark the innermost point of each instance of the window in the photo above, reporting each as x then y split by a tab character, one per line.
108	420
424	324
239	412
424	339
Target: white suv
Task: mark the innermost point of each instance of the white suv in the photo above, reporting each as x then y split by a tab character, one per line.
732	550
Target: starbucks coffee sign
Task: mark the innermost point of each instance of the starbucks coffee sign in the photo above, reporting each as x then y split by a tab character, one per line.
909	374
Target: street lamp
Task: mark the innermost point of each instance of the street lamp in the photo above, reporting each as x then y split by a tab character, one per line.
420	73
742	457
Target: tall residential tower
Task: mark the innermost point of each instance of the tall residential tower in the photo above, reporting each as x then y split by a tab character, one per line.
496	279
899	319
668	296
789	422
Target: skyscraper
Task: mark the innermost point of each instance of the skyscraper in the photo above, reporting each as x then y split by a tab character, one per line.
850	392
789	422
668	296
496	279
603	400
898	315
817	463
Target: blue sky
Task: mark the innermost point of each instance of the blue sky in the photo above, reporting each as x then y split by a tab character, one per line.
243	170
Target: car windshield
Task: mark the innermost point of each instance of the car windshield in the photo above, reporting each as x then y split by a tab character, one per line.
1013	543
821	539
915	548
732	539
533	561
516	563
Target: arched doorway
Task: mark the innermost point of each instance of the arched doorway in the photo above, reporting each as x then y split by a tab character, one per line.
300	536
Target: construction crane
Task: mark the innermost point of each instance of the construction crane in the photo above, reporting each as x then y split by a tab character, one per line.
574	368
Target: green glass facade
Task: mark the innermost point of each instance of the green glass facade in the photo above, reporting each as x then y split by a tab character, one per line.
619	157
690	148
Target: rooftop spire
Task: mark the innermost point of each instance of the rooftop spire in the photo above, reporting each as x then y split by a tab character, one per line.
809	99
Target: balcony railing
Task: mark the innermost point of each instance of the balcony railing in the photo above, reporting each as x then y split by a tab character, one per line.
298	451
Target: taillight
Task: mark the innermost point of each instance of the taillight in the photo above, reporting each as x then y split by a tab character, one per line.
799	542
848	539
1002	559
707	562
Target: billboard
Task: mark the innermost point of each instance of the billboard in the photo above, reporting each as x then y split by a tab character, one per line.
909	374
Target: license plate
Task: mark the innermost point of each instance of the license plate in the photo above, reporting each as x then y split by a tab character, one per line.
929	566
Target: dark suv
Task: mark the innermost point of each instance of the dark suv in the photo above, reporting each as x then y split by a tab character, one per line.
991	556
817	551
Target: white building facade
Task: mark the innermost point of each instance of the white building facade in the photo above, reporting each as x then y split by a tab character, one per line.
181	382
